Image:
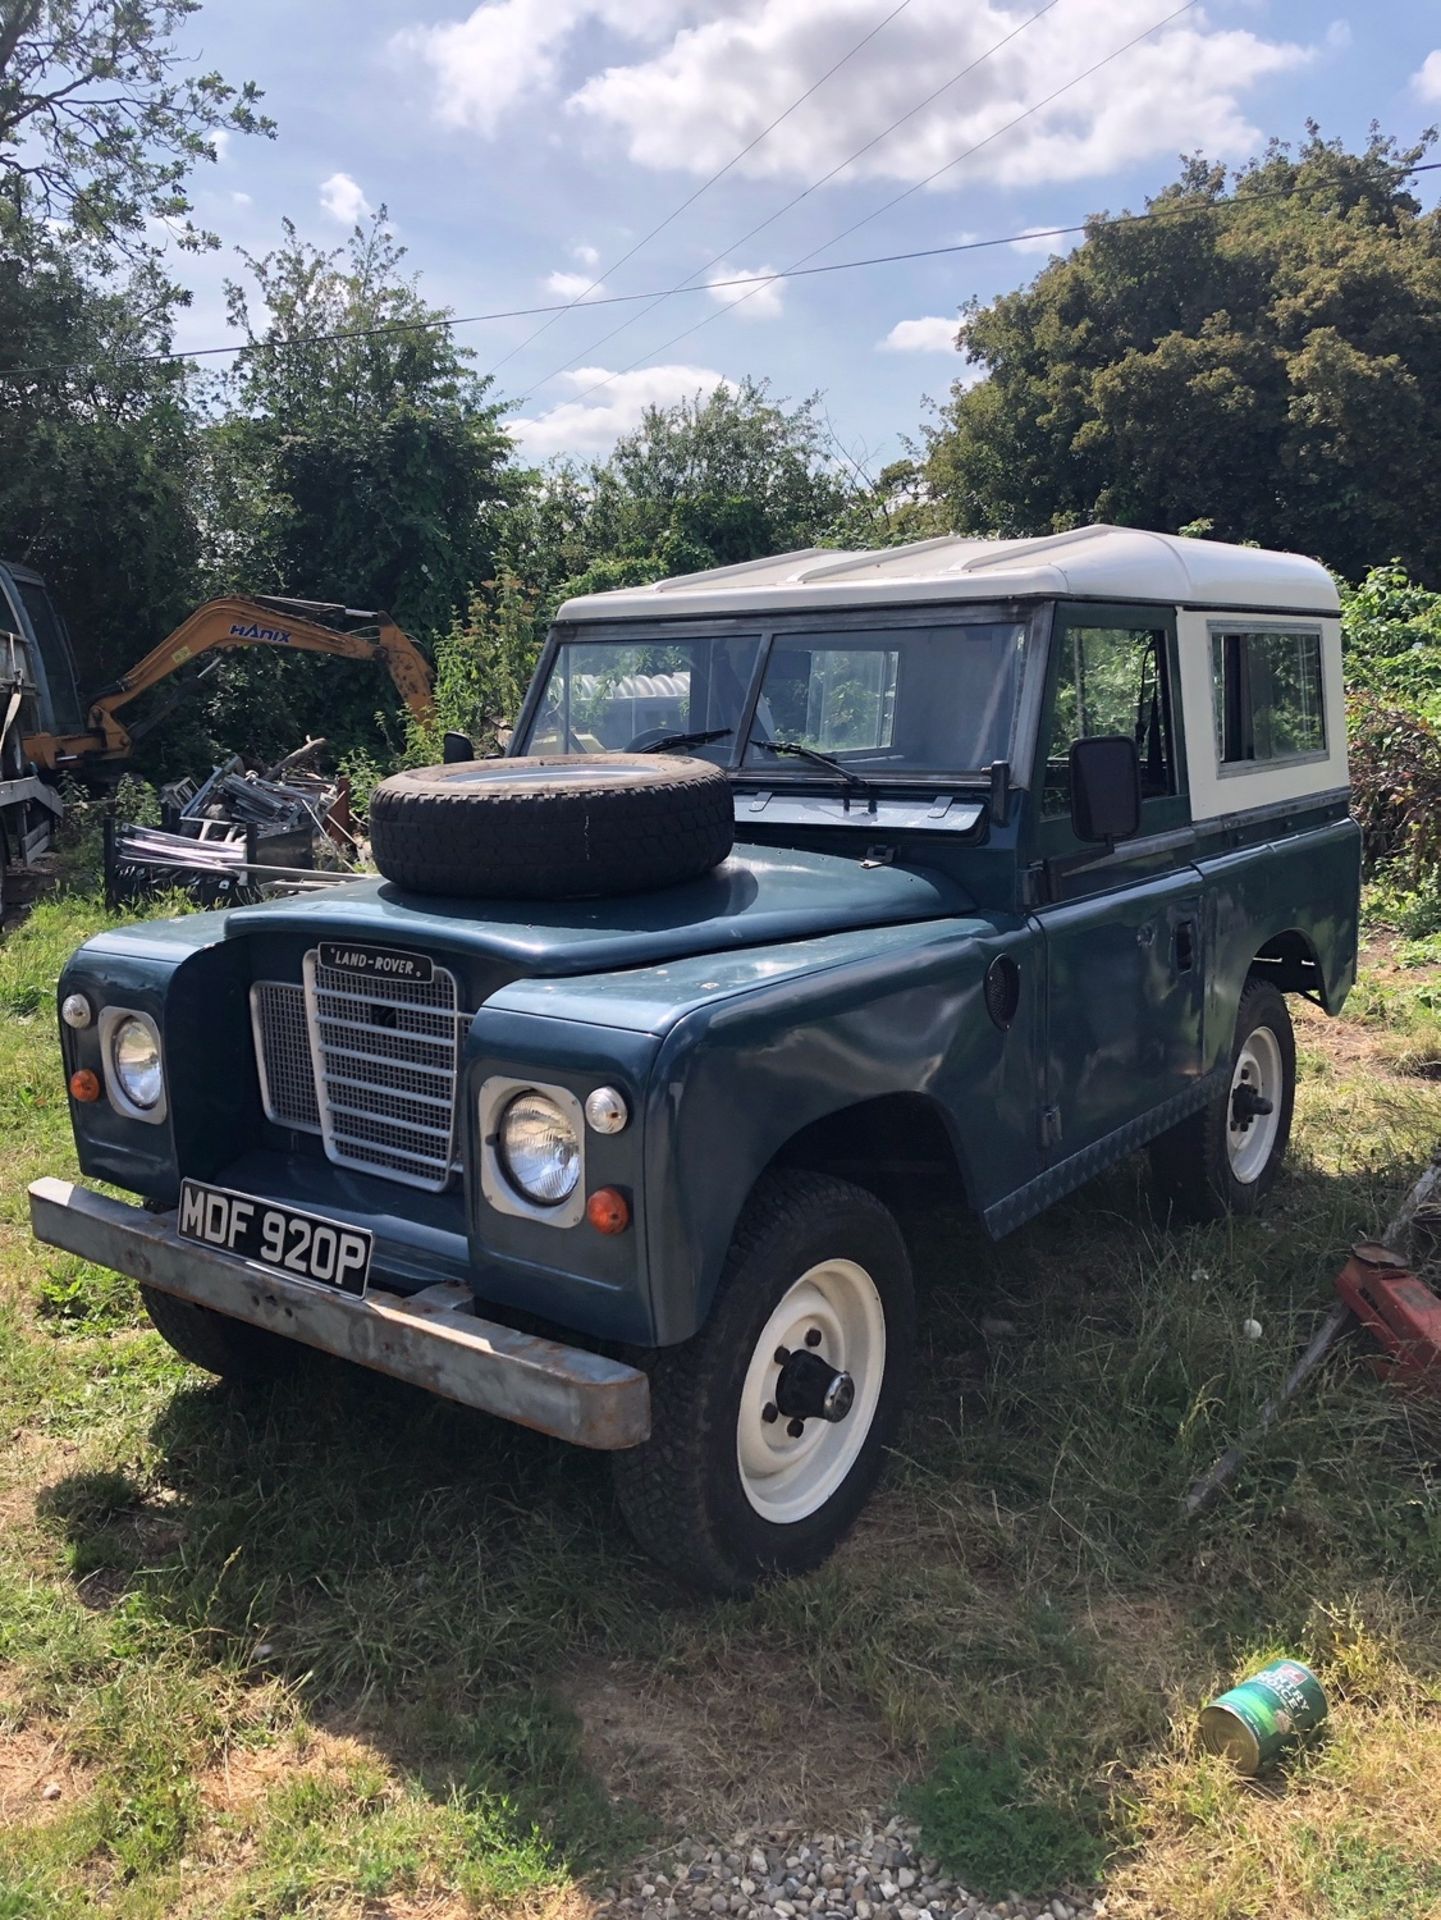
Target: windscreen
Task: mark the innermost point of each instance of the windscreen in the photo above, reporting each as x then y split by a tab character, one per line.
909	701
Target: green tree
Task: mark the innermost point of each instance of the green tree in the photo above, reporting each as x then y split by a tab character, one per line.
95	446
361	462
725	477
102	118
1266	357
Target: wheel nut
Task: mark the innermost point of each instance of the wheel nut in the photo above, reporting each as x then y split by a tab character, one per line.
796	1429
813	1338
782	1355
770	1413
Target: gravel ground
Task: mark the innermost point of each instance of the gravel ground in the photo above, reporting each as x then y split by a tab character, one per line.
784	1874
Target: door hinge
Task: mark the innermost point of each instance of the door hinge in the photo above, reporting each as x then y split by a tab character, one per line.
1050	1126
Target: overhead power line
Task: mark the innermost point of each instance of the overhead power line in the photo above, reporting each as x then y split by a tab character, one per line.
1097	224
795	200
801	265
704	187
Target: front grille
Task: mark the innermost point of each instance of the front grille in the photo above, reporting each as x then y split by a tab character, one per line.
377	1074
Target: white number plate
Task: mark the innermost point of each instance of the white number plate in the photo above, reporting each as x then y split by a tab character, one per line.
302	1246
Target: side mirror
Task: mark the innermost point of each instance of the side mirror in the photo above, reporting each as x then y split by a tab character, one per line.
456	747
1105	788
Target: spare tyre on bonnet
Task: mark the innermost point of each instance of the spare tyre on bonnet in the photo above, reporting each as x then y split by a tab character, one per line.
549	828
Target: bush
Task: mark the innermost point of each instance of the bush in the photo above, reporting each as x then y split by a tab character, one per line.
1391	629
1396	790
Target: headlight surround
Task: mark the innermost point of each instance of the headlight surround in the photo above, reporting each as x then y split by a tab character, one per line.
539	1149
135	1062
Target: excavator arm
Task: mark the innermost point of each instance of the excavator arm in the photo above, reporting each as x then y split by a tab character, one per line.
263	621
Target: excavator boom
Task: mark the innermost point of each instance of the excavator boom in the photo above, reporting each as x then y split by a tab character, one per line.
236	621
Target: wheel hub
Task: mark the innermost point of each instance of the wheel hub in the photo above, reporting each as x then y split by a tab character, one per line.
810	1388
810	1392
1254	1110
1248	1105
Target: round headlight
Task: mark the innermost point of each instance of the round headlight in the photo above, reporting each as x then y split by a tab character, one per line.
539	1150
135	1062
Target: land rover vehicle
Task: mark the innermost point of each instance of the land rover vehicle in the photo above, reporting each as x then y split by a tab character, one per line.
1031	840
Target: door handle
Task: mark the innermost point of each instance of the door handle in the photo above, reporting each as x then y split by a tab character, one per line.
1183	946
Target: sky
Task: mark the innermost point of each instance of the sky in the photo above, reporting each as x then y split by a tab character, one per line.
524	148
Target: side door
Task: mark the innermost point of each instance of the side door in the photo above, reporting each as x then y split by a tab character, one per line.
1122	929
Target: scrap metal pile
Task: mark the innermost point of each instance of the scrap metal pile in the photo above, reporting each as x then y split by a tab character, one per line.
240	835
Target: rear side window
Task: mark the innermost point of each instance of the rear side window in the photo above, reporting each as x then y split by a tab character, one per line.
1267	695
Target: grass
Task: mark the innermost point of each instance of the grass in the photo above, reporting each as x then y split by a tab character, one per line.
337	1647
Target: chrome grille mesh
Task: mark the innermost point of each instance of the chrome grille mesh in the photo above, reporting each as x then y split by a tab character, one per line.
282	1048
369	1064
386	1053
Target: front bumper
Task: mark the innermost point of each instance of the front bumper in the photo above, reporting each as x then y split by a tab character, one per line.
434	1339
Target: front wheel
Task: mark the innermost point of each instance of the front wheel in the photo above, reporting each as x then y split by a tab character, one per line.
236	1350
769	1427
1225	1158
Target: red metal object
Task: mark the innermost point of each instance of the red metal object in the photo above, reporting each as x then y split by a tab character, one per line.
1399	1311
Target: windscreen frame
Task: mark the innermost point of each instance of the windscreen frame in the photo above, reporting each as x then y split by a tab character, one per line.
1035	615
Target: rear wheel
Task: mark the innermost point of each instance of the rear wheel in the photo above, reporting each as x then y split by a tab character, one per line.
1225	1158
770	1426
232	1348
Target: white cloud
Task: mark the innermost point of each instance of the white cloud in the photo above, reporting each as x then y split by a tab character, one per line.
574	286
760	302
716	82
1338	35
933	333
587	255
242	200
1426	81
220	139
506	52
342	199
593	423
1041	240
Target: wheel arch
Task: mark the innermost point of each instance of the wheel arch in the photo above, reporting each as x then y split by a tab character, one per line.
899	1146
1292	964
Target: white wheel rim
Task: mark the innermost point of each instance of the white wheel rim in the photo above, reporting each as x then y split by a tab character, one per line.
1250	1143
787	1477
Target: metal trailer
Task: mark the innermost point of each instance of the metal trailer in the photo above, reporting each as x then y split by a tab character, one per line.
37	694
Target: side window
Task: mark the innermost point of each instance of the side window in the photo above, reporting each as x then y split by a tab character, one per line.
1111	680
1267	695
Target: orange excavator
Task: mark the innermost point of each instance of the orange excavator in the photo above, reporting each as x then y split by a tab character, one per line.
297	626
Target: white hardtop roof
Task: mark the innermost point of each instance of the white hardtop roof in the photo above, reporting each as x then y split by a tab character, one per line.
1097	563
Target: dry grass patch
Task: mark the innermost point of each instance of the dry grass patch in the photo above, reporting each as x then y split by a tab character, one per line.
733	1741
39	1777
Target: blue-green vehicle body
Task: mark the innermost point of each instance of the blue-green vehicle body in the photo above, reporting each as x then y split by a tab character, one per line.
944	994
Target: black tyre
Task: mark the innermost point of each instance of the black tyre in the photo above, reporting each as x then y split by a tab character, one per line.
550	828
232	1348
770	1427
1225	1158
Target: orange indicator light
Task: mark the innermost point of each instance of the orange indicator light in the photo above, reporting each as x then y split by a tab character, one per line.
84	1085
608	1210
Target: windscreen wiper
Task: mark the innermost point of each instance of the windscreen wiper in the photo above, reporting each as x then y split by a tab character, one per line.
853	781
672	742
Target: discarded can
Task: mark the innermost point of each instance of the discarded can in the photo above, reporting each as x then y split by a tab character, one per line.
1255	1722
